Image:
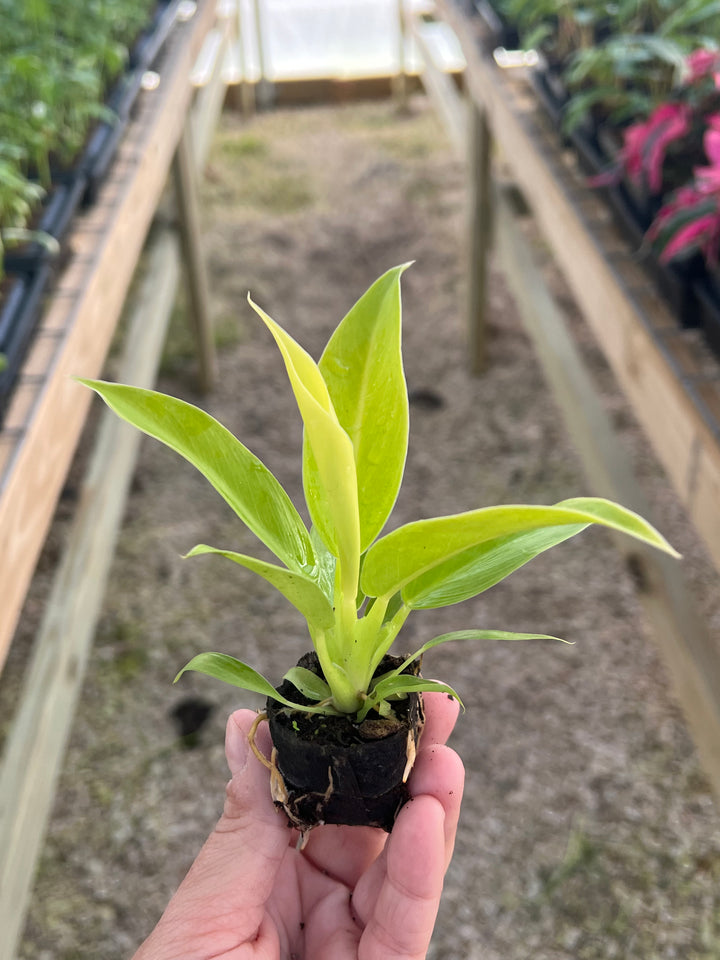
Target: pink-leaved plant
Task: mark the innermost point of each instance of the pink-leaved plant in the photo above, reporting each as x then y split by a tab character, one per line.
670	134
690	221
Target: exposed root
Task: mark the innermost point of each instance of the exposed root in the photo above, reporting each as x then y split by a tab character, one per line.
278	789
330	787
303	837
254	747
411	753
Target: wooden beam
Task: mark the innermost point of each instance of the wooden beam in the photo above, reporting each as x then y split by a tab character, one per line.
479	233
675	425
685	644
46	416
400	85
184	177
440	87
469	132
36	744
209	79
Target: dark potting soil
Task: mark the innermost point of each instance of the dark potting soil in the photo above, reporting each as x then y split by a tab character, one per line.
335	770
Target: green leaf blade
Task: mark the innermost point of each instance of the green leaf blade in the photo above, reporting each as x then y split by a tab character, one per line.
362	367
308	683
240	478
411	551
220	666
331	480
302	591
399	685
456	635
475	570
466	635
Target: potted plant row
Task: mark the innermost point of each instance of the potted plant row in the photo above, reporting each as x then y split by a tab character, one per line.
70	74
347	718
634	88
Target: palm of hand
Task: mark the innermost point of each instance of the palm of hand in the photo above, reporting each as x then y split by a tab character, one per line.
352	893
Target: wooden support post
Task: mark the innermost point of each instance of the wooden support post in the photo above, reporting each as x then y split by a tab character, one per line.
441	88
209	81
400	84
247	88
36	743
480	228
265	92
184	176
683	639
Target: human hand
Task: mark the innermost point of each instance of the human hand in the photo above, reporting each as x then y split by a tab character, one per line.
352	893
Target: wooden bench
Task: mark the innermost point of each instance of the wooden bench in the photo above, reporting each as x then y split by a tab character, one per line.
169	137
669	381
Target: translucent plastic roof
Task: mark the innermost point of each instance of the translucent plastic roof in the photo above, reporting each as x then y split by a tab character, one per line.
334	38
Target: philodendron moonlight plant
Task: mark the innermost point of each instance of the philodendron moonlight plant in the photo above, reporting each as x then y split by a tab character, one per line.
354	587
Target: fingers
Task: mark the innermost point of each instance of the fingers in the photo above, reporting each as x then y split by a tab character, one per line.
441	712
439	773
401	922
344	853
220	903
248	793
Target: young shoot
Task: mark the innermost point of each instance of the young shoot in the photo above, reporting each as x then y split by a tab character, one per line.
354	586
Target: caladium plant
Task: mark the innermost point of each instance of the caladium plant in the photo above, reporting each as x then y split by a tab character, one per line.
354	586
689	222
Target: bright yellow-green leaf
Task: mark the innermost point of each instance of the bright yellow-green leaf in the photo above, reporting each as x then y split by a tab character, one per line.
394	685
473	635
362	367
471	572
240	478
417	548
331	488
302	591
308	683
239	674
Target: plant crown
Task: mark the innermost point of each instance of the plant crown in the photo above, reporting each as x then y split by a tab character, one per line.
354	587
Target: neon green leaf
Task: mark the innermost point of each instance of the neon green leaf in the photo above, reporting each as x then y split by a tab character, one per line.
302	591
395	685
331	487
417	548
325	564
362	367
308	683
240	478
472	635
220	666
471	572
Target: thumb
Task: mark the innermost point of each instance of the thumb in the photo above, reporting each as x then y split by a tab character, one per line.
222	898
248	793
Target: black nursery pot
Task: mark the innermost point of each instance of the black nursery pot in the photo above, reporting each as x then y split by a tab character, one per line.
333	770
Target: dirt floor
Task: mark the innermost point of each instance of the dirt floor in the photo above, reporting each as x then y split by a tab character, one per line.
588	829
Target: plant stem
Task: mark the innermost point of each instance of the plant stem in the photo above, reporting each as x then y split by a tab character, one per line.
388	632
